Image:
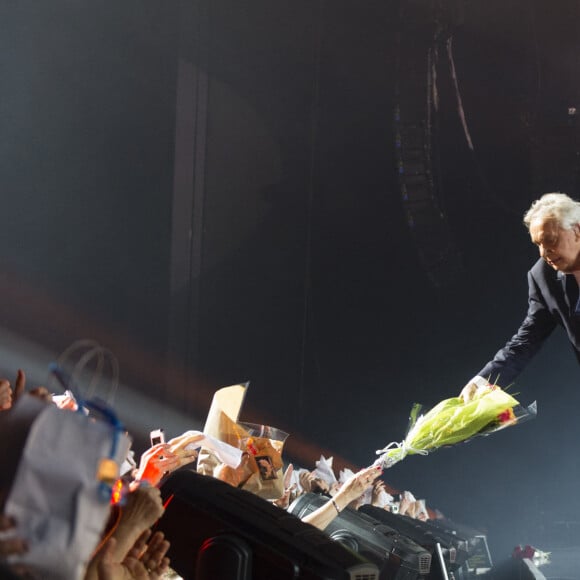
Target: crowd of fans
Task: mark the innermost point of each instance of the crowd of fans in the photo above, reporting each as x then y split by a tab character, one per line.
130	550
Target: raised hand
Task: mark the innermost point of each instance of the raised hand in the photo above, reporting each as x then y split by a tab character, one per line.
10	545
156	462
354	487
152	553
8	396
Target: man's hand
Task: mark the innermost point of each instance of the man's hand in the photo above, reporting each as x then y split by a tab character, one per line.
468	392
475	385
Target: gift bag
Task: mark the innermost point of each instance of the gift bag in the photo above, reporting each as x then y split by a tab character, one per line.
60	495
88	364
264	445
261	470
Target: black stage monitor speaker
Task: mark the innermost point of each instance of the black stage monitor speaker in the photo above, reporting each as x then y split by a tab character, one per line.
219	532
516	569
453	549
479	558
397	556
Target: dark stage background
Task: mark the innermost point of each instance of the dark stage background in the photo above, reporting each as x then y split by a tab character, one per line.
210	189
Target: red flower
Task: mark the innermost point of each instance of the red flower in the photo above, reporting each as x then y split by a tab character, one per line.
520	553
506	416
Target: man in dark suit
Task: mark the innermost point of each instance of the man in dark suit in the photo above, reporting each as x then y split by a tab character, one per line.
553	299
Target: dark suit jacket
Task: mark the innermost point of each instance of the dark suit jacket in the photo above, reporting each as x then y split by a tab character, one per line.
549	305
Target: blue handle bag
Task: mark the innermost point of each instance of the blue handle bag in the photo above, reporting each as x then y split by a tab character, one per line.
61	465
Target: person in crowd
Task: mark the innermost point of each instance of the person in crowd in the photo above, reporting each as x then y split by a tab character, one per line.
11	545
310	481
553	222
162	459
129	550
5	395
290	489
145	561
349	492
380	497
421	512
125	550
8	395
375	495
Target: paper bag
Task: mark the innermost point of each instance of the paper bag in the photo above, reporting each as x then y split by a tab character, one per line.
264	445
60	495
261	471
221	424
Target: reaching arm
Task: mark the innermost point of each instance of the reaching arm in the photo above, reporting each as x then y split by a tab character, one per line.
538	324
350	491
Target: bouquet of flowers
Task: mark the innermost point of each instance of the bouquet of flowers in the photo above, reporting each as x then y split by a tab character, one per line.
451	421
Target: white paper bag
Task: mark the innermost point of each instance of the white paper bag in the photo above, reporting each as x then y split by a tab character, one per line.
56	498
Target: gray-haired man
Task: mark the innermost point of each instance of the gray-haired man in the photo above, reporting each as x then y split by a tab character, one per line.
553	299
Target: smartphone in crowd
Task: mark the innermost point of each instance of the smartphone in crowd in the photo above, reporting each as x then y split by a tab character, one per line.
157	436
